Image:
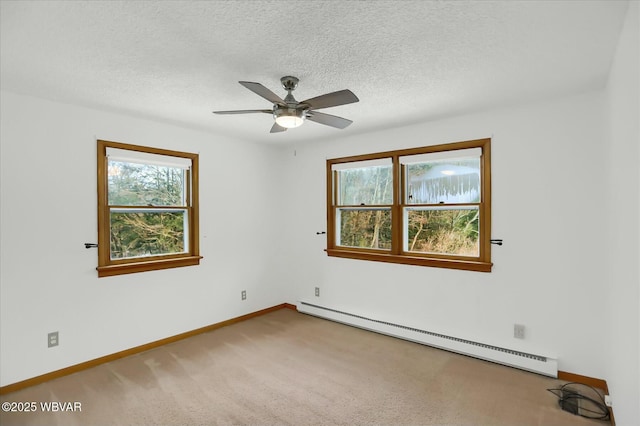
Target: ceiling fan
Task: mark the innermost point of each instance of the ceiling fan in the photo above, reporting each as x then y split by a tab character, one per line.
289	113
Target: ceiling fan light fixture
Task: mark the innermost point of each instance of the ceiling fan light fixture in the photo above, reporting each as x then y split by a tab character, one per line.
289	117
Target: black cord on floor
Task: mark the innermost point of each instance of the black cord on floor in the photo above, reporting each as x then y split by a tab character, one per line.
569	400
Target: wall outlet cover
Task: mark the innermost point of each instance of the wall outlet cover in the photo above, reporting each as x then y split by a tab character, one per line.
53	339
518	331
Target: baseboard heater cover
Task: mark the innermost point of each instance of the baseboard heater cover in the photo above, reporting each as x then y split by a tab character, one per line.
522	360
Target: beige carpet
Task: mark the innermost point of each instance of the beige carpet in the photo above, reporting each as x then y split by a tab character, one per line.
287	368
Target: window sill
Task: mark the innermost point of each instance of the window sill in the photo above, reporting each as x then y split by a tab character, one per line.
148	265
466	265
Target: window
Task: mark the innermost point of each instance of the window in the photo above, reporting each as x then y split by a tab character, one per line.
427	206
147	209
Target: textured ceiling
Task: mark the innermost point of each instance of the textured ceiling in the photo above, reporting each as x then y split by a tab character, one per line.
407	61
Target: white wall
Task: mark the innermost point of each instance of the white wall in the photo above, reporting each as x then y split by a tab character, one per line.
48	210
622	358
548	206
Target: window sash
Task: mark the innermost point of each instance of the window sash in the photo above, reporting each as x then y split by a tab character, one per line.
113	212
371	230
183	198
437	186
377	193
453	239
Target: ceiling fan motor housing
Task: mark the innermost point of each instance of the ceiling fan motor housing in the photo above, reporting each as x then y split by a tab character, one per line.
288	117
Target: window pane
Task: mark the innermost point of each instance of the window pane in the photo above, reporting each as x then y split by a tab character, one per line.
133	184
365	186
365	228
136	234
443	231
444	181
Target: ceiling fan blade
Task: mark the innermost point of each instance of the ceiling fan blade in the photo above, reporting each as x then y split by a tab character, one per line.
244	111
340	97
260	90
328	119
277	128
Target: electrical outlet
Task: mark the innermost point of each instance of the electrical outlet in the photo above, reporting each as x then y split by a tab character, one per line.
53	339
317	291
243	295
518	331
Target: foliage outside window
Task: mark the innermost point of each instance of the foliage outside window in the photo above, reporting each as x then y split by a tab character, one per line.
428	206
147	209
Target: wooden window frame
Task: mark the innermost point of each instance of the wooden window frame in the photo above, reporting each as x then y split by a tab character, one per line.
110	267
481	263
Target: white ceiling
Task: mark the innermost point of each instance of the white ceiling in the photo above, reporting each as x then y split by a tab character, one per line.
407	61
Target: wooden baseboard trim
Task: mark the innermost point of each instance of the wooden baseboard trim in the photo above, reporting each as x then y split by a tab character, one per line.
590	381
138	349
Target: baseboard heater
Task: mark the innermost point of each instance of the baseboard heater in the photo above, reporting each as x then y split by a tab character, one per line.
522	360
